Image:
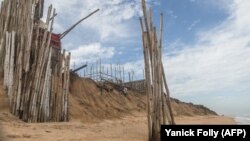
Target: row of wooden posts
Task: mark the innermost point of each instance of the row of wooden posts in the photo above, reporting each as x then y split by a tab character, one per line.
37	85
114	72
158	99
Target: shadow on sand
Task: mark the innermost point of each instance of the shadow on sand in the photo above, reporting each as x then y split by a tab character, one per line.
1	133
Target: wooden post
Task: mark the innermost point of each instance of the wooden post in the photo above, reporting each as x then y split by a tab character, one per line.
100	71
111	70
66	113
115	72
120	71
132	75
123	77
148	84
154	76
129	78
37	90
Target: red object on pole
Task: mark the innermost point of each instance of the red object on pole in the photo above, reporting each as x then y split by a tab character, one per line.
55	41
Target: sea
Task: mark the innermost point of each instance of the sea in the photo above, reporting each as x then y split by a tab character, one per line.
242	120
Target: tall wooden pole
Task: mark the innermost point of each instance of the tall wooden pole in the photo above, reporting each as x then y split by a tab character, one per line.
154	74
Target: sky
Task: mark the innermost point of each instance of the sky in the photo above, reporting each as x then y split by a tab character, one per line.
206	45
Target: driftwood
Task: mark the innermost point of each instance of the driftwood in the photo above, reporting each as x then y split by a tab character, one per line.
158	96
37	90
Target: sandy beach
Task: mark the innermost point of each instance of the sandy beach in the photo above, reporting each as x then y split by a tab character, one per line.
129	128
122	119
204	120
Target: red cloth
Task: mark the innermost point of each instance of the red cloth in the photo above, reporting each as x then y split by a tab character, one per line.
55	41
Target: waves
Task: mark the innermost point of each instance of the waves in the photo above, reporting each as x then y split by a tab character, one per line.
242	120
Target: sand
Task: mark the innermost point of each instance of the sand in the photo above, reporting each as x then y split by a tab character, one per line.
96	116
89	103
204	120
128	128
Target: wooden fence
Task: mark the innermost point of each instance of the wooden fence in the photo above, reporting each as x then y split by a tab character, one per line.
138	85
37	90
115	73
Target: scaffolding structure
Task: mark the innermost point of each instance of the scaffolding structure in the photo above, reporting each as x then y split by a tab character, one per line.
115	74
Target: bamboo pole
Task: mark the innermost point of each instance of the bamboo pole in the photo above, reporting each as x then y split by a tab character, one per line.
160	69
154	74
66	114
168	96
71	28
148	90
11	69
7	60
123	77
111	70
34	86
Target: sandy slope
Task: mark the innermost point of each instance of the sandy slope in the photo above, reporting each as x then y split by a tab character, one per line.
89	103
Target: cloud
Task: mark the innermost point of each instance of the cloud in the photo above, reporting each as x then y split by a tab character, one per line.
112	21
114	24
208	69
214	70
193	25
90	53
171	14
217	63
223	5
219	60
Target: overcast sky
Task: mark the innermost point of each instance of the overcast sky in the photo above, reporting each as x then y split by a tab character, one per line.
206	45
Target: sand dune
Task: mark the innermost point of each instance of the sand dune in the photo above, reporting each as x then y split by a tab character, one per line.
89	103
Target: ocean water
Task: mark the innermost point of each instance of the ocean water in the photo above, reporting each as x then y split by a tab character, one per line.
242	120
